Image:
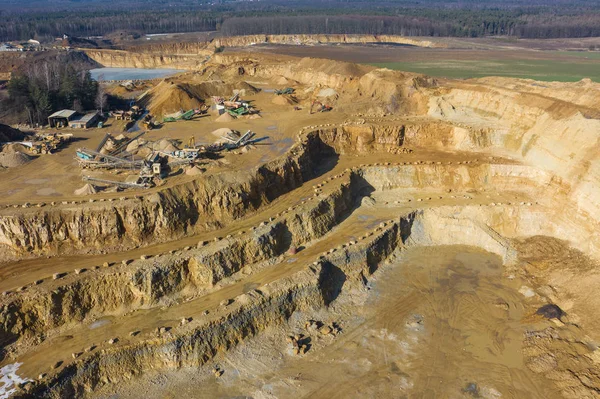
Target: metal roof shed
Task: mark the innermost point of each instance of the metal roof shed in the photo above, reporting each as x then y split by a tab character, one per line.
84	121
61	118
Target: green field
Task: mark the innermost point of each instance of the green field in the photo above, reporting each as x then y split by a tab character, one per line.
544	70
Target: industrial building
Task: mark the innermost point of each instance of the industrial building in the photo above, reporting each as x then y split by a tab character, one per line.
73	119
61	118
90	119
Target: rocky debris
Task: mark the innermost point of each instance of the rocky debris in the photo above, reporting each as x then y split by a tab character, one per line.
57	365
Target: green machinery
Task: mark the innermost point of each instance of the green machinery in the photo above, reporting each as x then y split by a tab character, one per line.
238	111
287	90
185	116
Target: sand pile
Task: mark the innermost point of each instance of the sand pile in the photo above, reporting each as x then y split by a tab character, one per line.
12	148
14	159
283	81
164	145
329	92
134	146
86	190
169	96
194	171
226	117
221	132
253	116
283	100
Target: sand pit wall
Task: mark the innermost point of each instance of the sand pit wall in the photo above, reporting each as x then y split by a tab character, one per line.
32	314
196	343
204	204
308	289
192	346
461	178
549	133
208	202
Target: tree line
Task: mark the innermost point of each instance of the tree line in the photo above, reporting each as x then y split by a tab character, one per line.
41	88
45	27
464	18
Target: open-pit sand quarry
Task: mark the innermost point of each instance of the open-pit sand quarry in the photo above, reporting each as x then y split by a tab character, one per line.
425	238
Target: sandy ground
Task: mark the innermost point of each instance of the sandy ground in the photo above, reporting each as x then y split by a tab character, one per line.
55	177
443	322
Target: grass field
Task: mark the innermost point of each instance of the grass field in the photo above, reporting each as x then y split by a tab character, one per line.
544	70
473	59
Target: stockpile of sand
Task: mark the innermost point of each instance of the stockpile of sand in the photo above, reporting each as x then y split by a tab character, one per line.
13	159
325	93
134	146
253	116
194	171
169	96
12	148
221	132
226	117
86	190
164	145
283	100
283	81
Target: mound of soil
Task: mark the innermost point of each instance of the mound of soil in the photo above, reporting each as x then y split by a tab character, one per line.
12	160
194	171
135	145
86	190
8	133
221	132
12	148
169	96
327	93
225	118
164	145
282	100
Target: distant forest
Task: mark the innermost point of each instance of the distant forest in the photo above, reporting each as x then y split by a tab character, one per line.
45	20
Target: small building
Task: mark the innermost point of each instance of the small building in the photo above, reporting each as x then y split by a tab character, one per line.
61	118
85	121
